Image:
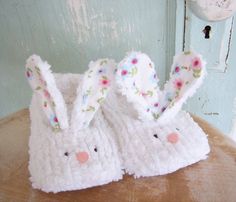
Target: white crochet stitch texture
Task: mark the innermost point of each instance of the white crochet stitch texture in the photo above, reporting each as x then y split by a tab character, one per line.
153	147
64	159
144	146
74	146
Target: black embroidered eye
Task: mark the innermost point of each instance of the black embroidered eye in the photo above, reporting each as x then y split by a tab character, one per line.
66	154
155	135
177	129
95	149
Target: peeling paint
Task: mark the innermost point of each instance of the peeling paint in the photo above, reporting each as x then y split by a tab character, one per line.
87	24
114	33
80	19
229	45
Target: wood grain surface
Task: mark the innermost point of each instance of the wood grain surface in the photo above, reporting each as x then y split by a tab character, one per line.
211	180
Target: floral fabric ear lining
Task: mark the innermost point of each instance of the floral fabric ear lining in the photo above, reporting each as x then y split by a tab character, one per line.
96	83
187	74
137	80
43	83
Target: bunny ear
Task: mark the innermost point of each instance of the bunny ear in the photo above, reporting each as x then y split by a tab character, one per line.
43	83
187	73
137	80
92	91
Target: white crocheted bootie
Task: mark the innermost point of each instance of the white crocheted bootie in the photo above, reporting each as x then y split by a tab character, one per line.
71	145
154	136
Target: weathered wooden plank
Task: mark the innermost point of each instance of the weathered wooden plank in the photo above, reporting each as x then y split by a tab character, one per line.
213	179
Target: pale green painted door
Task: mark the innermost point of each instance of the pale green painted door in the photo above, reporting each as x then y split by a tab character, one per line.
215	99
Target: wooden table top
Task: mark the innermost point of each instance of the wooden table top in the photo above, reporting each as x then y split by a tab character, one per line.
211	180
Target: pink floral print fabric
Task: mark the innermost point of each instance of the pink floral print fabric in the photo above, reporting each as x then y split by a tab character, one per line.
36	72
137	79
96	83
91	92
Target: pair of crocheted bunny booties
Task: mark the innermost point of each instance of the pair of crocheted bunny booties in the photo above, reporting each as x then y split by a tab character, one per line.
90	129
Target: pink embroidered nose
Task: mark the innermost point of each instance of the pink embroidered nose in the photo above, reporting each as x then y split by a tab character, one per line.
82	157
173	138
